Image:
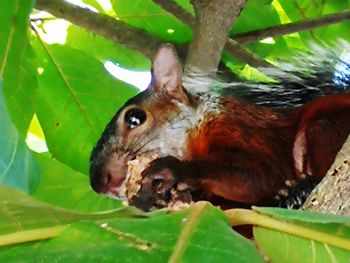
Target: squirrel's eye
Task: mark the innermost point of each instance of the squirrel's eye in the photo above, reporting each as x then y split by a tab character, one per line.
134	117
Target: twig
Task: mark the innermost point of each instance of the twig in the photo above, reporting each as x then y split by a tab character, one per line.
298	26
240	52
177	11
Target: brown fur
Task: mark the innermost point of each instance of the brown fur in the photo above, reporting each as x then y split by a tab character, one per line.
228	151
245	154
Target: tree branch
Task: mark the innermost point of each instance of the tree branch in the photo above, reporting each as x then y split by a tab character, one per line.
177	11
121	33
232	47
332	195
237	50
214	19
115	30
292	27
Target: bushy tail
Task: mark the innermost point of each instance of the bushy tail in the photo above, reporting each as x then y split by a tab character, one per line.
320	71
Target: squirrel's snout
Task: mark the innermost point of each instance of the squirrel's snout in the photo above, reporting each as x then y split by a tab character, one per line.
99	180
107	177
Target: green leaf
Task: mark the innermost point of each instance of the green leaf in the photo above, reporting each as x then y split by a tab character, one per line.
264	14
186	5
64	187
199	234
76	99
19	213
284	248
147	15
303	216
17	61
17	165
297	236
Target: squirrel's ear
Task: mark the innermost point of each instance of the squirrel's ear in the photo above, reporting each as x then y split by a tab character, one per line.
167	74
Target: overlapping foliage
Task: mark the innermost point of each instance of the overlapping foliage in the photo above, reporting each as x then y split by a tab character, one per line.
67	87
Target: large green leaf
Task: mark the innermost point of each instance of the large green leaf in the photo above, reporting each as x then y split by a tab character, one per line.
20	213
64	187
17	61
283	248
149	16
17	165
199	234
297	236
77	98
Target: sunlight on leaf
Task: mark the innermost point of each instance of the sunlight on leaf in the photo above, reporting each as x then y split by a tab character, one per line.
35	128
281	12
35	136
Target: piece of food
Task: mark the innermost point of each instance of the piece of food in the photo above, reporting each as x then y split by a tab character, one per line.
177	198
133	178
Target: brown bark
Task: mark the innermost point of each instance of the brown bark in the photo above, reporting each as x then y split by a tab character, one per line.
332	195
231	47
106	26
214	19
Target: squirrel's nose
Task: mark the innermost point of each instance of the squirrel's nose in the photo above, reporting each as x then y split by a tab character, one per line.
107	177
99	180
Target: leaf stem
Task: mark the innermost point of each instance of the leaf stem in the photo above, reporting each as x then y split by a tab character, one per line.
190	224
30	235
249	217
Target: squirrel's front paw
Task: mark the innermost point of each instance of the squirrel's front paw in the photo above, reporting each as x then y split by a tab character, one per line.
159	185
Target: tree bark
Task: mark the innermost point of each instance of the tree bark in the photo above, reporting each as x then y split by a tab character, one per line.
332	195
214	19
106	26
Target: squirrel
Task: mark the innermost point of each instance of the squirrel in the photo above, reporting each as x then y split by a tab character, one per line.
225	149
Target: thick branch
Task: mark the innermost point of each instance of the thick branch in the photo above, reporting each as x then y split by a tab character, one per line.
292	27
214	19
332	195
231	46
115	30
